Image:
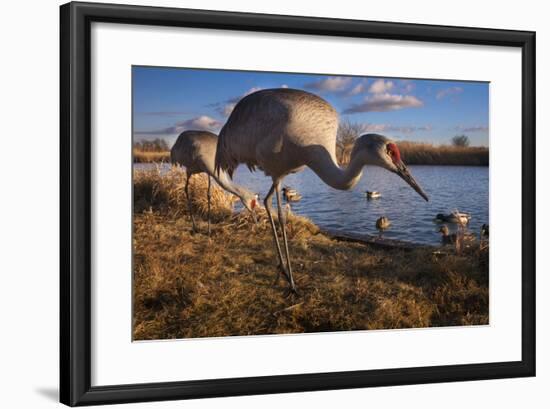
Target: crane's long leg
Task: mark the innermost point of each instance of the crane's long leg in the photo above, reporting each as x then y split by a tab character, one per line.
189	206
285	241
268	204
209	194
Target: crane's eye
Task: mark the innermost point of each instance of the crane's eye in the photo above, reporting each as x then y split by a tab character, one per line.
393	151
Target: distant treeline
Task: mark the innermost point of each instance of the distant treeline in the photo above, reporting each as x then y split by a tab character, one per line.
156	150
156	145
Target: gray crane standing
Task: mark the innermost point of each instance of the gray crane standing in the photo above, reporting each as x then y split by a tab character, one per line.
283	130
196	150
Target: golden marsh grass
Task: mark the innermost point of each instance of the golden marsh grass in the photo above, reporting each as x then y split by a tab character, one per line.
189	285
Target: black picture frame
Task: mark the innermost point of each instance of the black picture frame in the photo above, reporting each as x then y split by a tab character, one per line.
76	199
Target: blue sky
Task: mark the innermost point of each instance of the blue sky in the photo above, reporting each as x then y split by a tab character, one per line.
168	101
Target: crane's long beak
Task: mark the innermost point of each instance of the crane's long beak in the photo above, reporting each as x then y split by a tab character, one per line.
407	177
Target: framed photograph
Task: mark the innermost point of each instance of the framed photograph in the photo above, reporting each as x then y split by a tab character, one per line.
257	204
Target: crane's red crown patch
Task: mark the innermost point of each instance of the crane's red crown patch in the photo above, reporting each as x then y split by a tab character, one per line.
393	150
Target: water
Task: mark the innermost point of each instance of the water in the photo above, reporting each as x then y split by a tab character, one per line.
465	188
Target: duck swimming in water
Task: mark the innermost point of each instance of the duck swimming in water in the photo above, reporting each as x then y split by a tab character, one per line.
484	231
484	237
454	217
447	238
383	223
373	194
291	195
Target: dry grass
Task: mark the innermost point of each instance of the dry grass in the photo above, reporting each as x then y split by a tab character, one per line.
193	286
416	153
151	157
164	193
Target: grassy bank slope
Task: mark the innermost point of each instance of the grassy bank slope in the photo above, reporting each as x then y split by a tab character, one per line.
193	286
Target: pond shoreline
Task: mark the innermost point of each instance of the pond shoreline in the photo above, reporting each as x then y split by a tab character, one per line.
374	241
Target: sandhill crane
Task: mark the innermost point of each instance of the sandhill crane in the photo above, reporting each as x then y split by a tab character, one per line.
196	150
283	130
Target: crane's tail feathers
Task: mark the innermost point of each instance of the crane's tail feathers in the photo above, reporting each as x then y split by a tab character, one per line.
173	159
224	161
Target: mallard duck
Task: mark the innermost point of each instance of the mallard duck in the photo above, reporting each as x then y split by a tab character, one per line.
383	223
447	238
291	195
454	217
484	230
484	237
373	194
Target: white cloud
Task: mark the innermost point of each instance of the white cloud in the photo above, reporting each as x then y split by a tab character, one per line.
475	128
284	86
411	129
203	122
408	87
375	127
200	123
406	129
380	86
384	102
331	84
358	89
251	91
225	108
448	91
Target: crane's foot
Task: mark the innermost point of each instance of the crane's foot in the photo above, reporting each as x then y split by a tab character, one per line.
291	291
194	229
281	272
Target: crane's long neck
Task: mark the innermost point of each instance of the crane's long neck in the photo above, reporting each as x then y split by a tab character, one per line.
223	179
325	166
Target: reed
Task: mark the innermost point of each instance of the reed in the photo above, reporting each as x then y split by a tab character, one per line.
418	153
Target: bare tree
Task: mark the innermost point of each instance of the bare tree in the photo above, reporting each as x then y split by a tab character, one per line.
461	141
348	132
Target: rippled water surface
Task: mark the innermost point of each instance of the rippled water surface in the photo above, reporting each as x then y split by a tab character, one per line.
465	188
